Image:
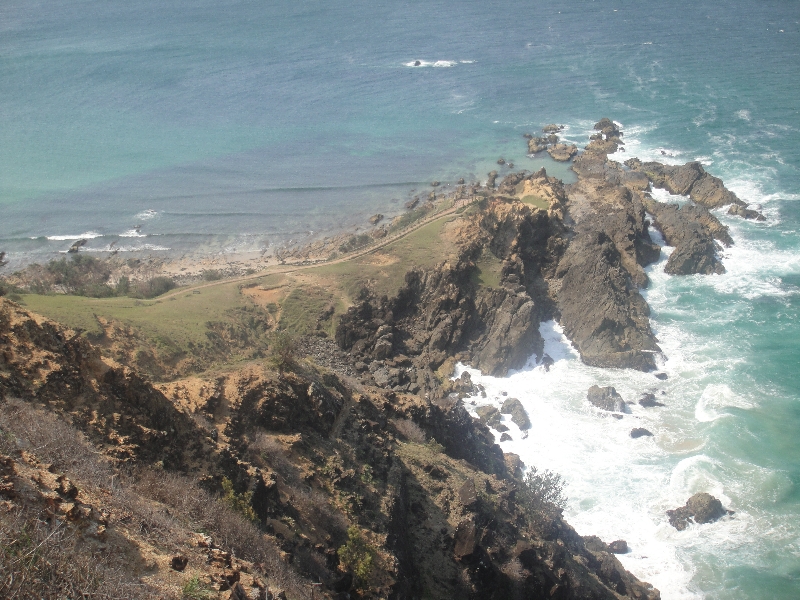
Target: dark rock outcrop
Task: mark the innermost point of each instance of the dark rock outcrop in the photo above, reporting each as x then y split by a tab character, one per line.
700	508
638	432
648	400
618	547
602	311
692	230
513	407
562	152
690	180
606	398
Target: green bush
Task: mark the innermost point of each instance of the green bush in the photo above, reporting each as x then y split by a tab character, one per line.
194	589
241	503
212	275
358	557
155	286
282	350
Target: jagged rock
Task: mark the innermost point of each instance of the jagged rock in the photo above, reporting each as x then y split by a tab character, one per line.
505	437
700	508
537	144
745	213
562	152
618	547
465	538
77	246
690	179
605	398
492	178
501	161
648	400
662	376
412	204
488	415
435	184
602	312
375	219
467	493
513	407
692	230
547	362
638	432
552	128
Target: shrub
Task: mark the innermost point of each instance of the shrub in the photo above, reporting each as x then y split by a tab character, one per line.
212	275
409	430
358	557
542	499
282	351
155	286
241	503
197	590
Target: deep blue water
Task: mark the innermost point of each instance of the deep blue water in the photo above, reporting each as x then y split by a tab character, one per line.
239	124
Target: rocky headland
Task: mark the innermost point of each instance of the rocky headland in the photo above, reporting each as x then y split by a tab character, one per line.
346	458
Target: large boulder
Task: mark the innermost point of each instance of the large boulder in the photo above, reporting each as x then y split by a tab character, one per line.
700	508
513	407
606	398
562	152
694	232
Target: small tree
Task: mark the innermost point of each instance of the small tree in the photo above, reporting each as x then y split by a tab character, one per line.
542	499
282	351
358	557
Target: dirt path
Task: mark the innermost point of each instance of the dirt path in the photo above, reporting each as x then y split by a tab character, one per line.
291	268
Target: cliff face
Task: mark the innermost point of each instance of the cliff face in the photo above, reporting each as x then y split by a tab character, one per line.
438	507
578	255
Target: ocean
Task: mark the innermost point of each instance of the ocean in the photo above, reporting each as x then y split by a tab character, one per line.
211	127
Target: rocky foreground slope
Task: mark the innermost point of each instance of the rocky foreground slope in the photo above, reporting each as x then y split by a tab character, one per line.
369	492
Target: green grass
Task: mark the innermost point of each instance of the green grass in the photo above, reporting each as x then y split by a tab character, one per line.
536	201
301	309
422	248
176	323
489	270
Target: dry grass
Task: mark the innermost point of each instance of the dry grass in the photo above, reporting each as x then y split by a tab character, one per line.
44	561
409	430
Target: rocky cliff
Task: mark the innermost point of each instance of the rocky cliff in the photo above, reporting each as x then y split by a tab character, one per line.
576	253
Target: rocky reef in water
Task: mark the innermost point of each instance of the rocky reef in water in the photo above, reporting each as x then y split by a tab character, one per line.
580	258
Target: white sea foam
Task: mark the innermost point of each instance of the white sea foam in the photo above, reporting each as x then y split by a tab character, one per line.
142	248
147	214
433	63
89	235
133	233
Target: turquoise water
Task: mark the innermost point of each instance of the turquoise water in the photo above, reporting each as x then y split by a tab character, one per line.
235	125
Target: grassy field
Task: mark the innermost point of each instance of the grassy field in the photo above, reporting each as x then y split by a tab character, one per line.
299	301
536	201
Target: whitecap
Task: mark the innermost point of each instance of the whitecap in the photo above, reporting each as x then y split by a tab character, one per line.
132	233
743	114
444	63
89	235
147	214
715	399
